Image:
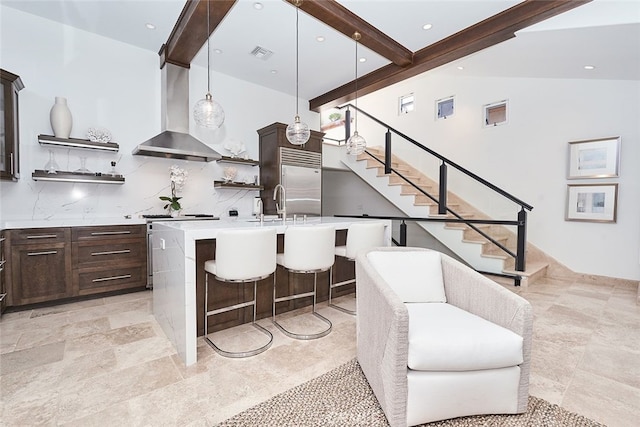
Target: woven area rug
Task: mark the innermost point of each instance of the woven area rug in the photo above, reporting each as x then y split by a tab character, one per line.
342	397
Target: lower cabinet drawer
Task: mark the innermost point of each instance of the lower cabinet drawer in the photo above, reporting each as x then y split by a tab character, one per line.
91	281
110	253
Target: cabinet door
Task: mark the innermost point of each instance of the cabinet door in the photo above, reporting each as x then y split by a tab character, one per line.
3	263
40	273
10	84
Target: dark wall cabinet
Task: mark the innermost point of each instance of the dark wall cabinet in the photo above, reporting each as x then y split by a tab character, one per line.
271	138
11	84
48	264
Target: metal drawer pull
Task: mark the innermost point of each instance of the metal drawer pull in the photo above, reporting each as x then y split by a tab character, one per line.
43	236
42	253
2	297
108	233
2	239
125	251
104	279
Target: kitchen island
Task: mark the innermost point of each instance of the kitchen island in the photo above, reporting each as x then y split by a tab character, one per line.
176	270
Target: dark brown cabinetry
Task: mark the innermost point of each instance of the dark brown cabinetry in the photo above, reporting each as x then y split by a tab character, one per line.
47	264
3	263
40	265
109	258
271	138
10	85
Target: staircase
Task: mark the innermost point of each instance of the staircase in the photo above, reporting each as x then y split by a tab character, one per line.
468	244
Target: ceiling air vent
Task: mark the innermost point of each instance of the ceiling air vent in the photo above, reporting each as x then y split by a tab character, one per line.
261	53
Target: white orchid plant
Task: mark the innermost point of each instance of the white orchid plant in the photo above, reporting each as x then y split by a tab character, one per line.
178	178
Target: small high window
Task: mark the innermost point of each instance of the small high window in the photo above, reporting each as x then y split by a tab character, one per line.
406	104
495	114
444	108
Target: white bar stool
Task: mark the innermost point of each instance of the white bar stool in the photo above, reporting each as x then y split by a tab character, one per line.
307	249
360	236
241	256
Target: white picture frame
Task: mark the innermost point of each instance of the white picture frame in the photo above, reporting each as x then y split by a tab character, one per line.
595	158
592	202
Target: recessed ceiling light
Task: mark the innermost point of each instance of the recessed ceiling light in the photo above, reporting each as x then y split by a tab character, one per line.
218	51
589	67
274	71
258	6
427	26
460	67
363	60
150	26
320	39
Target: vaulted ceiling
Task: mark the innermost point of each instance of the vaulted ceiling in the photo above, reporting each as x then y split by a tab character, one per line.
552	38
188	36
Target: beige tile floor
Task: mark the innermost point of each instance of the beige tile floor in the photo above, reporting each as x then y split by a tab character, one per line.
106	362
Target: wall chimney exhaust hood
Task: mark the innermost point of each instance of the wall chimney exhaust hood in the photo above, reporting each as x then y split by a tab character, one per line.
174	142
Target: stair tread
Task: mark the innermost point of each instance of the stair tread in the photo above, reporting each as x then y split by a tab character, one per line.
532	268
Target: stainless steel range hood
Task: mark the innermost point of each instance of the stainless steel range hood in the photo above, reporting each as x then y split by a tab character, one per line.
174	142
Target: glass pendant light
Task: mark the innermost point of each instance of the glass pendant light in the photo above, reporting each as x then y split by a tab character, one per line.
207	112
356	144
298	132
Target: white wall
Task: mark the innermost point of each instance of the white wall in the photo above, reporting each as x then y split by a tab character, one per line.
117	86
528	156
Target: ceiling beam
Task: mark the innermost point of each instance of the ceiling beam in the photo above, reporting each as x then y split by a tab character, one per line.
343	20
190	31
482	35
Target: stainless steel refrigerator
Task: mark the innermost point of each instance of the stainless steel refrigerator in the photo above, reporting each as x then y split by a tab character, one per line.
301	176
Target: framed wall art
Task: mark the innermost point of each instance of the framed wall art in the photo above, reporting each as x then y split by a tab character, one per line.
592	202
596	158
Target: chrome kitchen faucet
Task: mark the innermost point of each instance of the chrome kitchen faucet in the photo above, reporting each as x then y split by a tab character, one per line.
281	209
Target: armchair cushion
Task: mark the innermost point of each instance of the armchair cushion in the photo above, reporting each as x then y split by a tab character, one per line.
415	276
443	337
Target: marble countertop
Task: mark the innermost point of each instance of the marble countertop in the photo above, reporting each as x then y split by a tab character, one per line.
208	229
190	226
68	222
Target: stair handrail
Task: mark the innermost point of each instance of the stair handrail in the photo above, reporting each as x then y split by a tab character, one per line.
460	218
442	158
442	203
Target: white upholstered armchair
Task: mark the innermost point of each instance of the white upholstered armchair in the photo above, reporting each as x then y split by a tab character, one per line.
437	340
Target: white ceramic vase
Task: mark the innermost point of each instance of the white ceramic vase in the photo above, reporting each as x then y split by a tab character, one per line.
61	120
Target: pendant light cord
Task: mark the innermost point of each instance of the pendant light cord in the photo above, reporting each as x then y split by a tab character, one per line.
356	36
208	51
297	61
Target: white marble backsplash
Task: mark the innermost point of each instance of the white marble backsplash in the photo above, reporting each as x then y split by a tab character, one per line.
146	179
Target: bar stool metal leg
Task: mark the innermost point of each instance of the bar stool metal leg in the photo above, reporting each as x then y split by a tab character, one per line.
235	354
337	285
296	296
